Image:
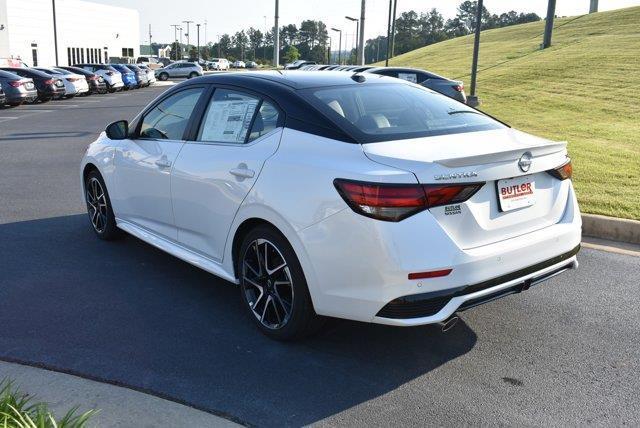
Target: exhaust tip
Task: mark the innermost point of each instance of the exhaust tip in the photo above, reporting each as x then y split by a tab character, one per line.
449	323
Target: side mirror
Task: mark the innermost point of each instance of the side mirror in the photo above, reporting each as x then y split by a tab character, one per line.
118	130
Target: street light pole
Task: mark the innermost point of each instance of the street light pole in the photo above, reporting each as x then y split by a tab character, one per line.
393	29
198	25
175	37
386	61
548	25
188	32
55	31
276	39
472	100
339	45
363	7
357	32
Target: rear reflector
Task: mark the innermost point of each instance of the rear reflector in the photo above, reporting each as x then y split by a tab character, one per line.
563	172
431	274
394	202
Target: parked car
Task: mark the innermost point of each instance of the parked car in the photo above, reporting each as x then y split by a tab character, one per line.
219	64
149	61
451	88
297	64
252	64
238	64
128	76
151	75
96	83
141	75
179	69
164	61
49	87
74	84
17	89
111	76
321	194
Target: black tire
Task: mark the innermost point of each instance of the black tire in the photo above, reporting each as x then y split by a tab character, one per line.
14	104
301	320
69	96
102	219
193	74
45	100
111	89
163	76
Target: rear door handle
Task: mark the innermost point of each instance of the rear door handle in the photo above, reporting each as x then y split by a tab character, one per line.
163	162
242	172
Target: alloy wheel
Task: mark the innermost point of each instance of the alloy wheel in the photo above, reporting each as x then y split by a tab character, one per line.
96	204
267	284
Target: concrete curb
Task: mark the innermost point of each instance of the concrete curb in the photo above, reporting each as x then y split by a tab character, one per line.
614	229
119	407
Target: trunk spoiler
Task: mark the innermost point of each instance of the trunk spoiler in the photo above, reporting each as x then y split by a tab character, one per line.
505	156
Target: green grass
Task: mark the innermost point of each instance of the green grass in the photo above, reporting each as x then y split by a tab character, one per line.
585	89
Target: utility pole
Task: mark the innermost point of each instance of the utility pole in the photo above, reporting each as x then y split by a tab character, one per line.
339	46
175	37
276	39
393	29
548	25
357	21
180	29
593	6
363	7
150	48
187	33
386	61
472	100
55	31
205	33
264	43
198	25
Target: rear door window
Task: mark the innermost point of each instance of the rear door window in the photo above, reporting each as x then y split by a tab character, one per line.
228	117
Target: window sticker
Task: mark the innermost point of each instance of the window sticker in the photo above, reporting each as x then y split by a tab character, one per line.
228	121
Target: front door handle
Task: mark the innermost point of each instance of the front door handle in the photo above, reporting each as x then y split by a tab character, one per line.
163	162
242	171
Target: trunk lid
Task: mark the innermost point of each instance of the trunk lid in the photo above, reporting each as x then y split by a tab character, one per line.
488	157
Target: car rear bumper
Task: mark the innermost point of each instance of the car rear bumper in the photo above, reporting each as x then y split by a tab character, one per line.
359	268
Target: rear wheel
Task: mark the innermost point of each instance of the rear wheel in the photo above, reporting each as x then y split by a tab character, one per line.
99	208
111	89
193	74
163	76
273	287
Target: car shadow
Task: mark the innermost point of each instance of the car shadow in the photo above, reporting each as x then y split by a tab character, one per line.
127	313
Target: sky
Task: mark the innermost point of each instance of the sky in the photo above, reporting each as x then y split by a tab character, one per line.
223	16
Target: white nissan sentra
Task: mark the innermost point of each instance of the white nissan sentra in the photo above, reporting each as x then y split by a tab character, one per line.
333	194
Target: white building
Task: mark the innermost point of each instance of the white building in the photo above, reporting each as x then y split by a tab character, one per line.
86	32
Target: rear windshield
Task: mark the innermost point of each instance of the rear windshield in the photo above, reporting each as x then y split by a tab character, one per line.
392	111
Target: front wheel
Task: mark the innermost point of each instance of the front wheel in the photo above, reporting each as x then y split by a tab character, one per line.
273	287
99	208
193	74
163	76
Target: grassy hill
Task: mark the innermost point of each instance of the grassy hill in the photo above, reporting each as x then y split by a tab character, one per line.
585	89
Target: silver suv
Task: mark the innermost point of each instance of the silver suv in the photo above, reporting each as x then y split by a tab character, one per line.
179	69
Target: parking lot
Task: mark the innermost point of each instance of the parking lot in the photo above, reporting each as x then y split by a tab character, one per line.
562	353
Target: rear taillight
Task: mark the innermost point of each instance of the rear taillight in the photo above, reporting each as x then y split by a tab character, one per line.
459	87
15	83
563	172
394	202
48	82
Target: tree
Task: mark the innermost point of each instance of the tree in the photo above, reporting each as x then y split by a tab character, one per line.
255	40
455	28
291	54
224	45
240	41
467	15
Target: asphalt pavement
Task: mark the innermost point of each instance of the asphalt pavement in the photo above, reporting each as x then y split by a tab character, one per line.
564	353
